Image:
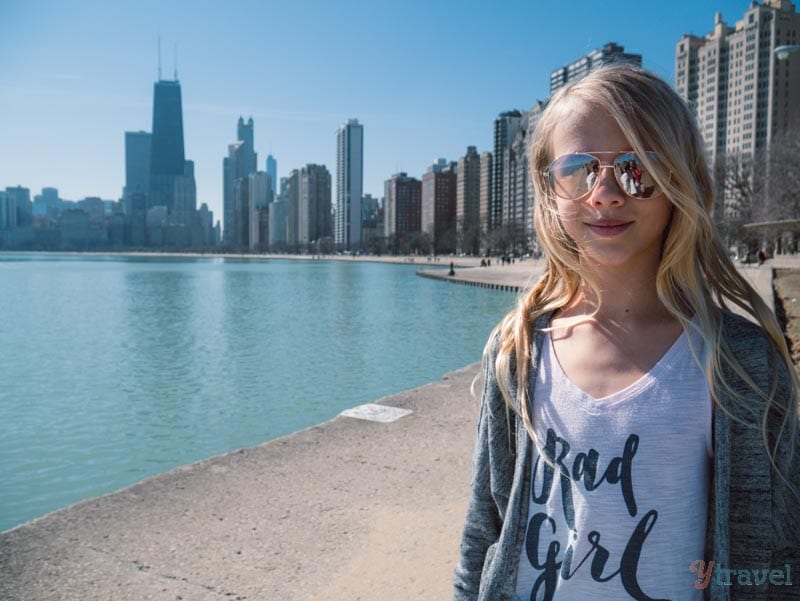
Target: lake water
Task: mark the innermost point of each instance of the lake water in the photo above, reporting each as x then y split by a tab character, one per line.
116	368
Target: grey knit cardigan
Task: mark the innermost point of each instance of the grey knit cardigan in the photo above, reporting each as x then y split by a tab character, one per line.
753	516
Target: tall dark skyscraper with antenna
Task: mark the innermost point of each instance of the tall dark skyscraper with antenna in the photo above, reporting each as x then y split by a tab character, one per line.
167	159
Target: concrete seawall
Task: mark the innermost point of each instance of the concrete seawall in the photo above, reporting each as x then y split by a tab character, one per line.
350	509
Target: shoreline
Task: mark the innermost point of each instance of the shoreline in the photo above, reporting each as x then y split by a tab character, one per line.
333	511
429	267
330	512
444	261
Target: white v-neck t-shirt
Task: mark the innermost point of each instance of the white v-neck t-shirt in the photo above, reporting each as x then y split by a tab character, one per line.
623	515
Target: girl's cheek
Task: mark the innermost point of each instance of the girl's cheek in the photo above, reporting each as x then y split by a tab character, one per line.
568	211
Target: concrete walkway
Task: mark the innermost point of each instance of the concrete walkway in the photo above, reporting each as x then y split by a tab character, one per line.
522	274
349	510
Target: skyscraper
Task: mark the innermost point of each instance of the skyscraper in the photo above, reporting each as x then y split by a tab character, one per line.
742	96
137	166
244	133
259	196
314	211
292	195
277	225
232	170
272	171
487	189
438	208
8	211
20	199
610	53
167	159
505	131
517	186
468	189
185	196
239	164
349	184
403	205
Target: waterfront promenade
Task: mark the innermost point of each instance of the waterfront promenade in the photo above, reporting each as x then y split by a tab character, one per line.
350	509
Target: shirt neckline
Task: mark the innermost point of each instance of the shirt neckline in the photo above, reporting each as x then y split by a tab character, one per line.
625	394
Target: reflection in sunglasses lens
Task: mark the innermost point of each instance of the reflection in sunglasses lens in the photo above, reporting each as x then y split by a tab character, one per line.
573	175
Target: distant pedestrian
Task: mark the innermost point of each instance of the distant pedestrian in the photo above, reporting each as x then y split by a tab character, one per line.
452	271
631	428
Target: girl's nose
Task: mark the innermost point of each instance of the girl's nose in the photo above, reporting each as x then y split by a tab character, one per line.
606	190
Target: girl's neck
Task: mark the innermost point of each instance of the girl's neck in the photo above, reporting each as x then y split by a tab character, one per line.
623	296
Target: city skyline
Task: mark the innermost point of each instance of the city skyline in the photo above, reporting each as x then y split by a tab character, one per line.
70	96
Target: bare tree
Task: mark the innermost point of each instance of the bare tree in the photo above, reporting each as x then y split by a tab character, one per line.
783	176
741	198
509	237
469	237
446	241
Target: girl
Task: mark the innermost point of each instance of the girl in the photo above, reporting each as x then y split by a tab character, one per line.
636	439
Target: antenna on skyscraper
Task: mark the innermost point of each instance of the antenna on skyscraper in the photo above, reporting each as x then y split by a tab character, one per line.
159	58
176	62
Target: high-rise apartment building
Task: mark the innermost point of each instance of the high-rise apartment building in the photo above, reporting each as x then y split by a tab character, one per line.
20	199
402	205
292	196
505	131
468	190
372	225
137	165
349	184
487	189
259	189
47	203
438	209
8	211
277	224
206	218
314	204
610	53
185	196
137	226
259	196
369	206
518	191
167	159
742	95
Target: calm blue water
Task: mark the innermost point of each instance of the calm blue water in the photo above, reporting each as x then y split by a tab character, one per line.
114	368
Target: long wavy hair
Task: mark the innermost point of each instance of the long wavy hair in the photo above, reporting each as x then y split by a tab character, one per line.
695	280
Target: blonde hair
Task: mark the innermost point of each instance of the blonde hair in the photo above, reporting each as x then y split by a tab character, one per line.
695	279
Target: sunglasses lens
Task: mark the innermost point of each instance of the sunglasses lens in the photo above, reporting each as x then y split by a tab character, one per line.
633	176
573	175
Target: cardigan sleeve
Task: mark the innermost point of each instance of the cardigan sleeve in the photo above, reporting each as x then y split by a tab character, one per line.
483	522
786	479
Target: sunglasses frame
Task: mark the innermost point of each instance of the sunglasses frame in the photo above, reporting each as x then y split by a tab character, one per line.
593	153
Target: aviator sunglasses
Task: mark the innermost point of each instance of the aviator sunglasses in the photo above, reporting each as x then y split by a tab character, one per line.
572	176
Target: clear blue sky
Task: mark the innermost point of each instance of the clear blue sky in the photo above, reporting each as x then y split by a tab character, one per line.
426	79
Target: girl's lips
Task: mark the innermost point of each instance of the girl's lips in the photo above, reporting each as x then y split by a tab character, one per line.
609	228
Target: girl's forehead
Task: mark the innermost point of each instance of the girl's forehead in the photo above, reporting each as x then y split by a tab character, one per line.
584	128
